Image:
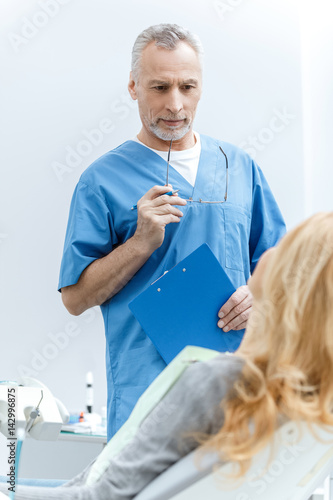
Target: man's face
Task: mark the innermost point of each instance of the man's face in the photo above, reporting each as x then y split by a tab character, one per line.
168	91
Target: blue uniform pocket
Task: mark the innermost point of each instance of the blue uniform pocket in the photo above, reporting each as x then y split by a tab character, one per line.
125	401
137	367
135	370
237	233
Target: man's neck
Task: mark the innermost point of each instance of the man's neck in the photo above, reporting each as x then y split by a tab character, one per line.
153	142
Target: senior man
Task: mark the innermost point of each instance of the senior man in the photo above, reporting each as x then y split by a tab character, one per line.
124	231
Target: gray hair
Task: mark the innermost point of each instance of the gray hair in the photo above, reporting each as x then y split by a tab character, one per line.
166	36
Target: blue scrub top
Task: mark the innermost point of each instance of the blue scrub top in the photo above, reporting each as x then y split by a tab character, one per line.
237	231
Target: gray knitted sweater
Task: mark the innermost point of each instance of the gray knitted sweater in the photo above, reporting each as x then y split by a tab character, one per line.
193	404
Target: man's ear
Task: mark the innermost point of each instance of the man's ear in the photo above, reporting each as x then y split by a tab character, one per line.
132	87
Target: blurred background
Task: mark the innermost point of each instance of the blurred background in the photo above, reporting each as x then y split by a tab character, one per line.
268	79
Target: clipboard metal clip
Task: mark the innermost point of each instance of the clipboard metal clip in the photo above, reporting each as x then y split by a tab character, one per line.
159	277
184	271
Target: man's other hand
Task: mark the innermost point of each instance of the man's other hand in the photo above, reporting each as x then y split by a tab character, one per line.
236	311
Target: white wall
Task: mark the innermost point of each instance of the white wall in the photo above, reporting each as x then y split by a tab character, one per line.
66	77
317	86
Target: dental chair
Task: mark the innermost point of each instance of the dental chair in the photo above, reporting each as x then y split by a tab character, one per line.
290	468
299	463
293	469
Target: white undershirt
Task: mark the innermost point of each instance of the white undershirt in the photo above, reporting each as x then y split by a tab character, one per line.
185	162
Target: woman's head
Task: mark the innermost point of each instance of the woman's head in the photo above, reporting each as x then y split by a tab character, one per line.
294	295
288	343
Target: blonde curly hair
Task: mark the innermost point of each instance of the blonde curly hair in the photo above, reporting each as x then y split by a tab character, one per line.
289	345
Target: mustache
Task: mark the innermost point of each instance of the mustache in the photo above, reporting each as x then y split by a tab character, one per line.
172	118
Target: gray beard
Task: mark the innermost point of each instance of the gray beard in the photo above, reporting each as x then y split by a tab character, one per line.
167	135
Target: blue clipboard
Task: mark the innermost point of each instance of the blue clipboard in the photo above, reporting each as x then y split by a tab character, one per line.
181	308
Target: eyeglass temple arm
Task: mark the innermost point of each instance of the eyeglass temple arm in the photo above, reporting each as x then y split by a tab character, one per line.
227	174
167	176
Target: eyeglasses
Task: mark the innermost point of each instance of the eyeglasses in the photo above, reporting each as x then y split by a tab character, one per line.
200	200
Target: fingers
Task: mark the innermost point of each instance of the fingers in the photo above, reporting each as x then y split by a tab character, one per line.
163	205
235	313
236	298
242	326
169	218
164	208
153	206
157	196
172	199
237	323
157	191
155	210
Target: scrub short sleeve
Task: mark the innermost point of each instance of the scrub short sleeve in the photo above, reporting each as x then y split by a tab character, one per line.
90	234
267	225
